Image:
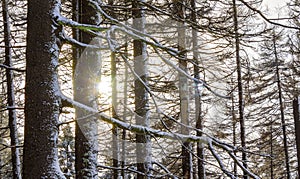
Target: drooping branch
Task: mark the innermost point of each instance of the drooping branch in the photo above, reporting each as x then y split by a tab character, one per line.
95	29
268	19
146	38
168	62
205	140
133	32
230	151
133	127
77	43
217	157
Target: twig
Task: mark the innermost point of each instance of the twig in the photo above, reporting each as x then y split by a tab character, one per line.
267	19
12	68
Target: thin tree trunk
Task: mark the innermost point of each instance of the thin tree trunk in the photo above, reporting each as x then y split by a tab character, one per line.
87	68
287	165
179	8
115	130
143	142
198	111
123	161
42	95
1	132
234	121
16	164
240	88
296	108
271	150
3	118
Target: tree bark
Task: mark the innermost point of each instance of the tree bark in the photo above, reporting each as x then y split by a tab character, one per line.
179	8
282	117
143	141
271	151
12	118
42	95
296	108
87	66
123	161
234	136
115	130
198	111
240	88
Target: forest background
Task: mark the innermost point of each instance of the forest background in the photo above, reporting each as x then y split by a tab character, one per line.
149	89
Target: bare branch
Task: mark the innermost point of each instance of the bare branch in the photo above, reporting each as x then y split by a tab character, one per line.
168	62
266	18
11	68
133	127
217	157
208	141
72	41
61	20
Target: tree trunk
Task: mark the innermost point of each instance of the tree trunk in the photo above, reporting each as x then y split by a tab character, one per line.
198	111
179	8
234	136
115	130
271	151
12	118
287	165
42	95
143	142
296	108
87	66
123	161
240	88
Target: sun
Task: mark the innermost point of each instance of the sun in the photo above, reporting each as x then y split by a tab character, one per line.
104	87
105	95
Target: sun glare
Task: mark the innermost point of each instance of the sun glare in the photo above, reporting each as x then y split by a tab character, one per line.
104	87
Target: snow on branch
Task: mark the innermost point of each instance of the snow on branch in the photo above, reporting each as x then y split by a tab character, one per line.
168	62
61	20
230	151
154	43
205	140
77	43
219	160
133	170
133	127
133	32
114	47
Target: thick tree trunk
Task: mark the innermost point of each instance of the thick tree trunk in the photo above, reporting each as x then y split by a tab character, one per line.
296	108
16	164
87	66
240	88
198	111
283	125
143	142
42	95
